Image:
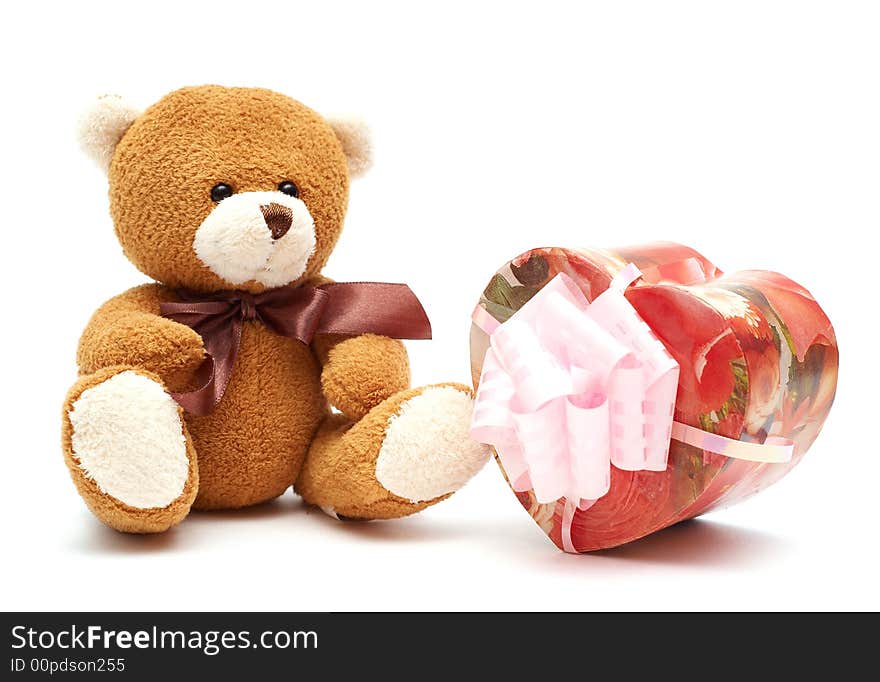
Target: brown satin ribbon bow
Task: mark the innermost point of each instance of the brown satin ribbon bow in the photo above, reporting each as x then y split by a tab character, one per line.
338	308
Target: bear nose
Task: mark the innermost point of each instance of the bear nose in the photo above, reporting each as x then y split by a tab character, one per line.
278	219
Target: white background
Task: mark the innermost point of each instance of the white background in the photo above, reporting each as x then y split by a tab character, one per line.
749	130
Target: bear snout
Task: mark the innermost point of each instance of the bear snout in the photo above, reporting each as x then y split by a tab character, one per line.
278	219
267	237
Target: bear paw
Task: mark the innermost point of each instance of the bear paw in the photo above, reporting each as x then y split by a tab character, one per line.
427	452
128	451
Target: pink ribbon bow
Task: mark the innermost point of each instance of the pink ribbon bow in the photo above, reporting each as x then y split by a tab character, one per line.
569	387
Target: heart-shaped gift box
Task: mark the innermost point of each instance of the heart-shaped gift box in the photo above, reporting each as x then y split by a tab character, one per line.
757	369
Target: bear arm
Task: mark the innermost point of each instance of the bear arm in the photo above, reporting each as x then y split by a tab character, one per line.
359	372
128	330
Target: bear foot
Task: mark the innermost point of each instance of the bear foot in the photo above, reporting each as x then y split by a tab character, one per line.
407	453
427	452
128	450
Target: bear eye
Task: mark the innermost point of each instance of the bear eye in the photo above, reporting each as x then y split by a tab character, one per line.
288	188
220	191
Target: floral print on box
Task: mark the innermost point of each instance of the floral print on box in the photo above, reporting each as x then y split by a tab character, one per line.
757	356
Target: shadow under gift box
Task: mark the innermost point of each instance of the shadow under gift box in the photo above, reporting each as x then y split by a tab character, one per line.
757	357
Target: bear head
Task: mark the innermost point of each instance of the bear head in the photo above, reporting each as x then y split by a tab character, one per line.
216	188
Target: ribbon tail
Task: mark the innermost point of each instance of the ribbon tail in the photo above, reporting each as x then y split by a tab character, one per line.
199	401
381	308
773	450
215	372
567	519
484	320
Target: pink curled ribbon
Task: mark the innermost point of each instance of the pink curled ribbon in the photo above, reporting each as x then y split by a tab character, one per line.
570	387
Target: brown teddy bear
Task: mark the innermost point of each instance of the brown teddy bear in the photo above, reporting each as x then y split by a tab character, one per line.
232	199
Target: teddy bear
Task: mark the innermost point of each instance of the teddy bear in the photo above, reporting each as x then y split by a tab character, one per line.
240	370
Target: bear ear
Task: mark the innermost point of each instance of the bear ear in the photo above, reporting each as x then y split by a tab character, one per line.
103	125
354	135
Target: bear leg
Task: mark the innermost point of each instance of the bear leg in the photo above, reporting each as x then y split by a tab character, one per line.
128	450
407	453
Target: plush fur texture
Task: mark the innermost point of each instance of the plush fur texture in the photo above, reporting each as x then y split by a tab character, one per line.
112	511
354	135
274	426
103	125
339	474
164	167
234	243
128	438
421	457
